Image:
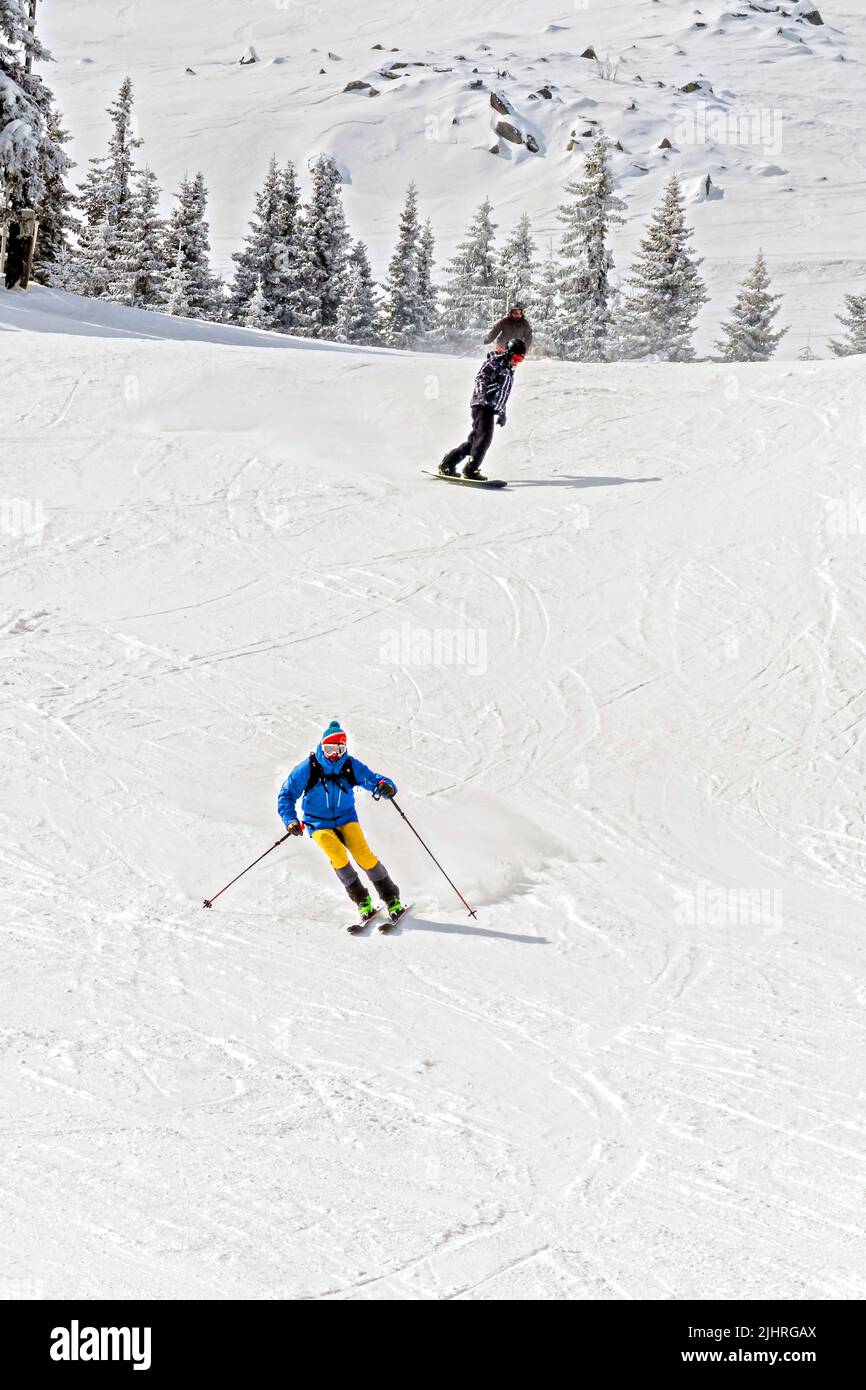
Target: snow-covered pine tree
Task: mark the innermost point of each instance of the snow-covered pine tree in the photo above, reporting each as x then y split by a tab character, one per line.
107	191
664	287
282	274
105	200
469	299
57	220
303	303
188	254
269	253
517	268
545	316
21	121
401	317
118	164
89	267
91	200
428	306
255	313
854	321
85	268
749	335
584	329
255	259
138	274
358	316
176	299
33	165
322	241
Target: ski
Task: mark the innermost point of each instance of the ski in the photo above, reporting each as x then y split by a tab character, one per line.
368	922
467	482
393	920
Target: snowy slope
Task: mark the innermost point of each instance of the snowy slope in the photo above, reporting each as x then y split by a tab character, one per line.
780	133
614	1084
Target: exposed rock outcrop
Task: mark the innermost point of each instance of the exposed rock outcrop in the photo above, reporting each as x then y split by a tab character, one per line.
506	131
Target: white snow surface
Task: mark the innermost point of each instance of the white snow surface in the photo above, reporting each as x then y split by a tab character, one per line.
778	122
610	1085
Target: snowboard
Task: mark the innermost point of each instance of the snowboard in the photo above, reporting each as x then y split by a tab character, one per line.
467	482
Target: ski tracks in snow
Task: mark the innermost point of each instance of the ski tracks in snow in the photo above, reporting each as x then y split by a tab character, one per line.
604	695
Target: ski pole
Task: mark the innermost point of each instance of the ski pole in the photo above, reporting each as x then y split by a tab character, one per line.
209	902
471	911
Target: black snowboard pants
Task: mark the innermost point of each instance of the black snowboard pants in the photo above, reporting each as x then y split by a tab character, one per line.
480	438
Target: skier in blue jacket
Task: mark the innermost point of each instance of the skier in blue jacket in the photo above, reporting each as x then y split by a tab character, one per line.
326	781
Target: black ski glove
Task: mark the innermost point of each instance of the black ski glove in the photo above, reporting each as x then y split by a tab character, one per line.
295	828
500	420
386	789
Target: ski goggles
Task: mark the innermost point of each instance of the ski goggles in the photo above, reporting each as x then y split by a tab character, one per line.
517	357
334	748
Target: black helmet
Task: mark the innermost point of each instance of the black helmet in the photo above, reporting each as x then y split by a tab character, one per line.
516	348
516	309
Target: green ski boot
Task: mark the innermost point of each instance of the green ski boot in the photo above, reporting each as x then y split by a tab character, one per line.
367	909
396	911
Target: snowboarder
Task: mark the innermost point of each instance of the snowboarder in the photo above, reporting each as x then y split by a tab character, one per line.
327	780
515	324
489	398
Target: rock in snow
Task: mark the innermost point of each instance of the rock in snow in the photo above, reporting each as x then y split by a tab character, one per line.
509	132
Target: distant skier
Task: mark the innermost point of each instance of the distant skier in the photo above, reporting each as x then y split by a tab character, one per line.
514	325
489	399
327	780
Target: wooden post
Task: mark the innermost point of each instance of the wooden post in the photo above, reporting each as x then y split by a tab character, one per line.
24	245
19	248
29	227
4	227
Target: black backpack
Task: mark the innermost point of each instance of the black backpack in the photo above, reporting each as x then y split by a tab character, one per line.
318	774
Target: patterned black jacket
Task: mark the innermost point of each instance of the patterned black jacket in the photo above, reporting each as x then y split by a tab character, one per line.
493	383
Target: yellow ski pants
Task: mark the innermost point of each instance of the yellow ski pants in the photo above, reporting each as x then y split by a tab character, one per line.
345	840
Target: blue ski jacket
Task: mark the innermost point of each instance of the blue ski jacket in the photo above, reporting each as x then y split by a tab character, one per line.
330	802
